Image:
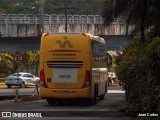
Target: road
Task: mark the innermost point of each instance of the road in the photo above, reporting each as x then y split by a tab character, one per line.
4	91
112	108
31	90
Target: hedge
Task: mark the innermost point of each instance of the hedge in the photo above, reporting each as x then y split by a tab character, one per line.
139	71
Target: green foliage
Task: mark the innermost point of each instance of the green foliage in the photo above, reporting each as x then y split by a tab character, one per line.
30	62
85	7
140	63
144	14
34	60
3	75
139	71
6	64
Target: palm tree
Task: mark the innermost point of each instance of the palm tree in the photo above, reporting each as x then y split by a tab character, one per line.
145	14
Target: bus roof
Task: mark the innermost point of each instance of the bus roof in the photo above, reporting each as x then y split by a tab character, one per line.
94	38
65	33
98	39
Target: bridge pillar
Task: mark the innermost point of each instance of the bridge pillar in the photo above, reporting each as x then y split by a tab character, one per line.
6	27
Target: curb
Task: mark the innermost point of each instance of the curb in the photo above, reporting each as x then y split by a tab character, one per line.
2	86
26	98
18	99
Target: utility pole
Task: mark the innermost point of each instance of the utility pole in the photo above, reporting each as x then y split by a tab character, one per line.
41	16
65	10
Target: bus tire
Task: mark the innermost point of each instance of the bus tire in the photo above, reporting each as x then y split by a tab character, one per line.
60	102
106	87
51	101
94	100
101	97
9	86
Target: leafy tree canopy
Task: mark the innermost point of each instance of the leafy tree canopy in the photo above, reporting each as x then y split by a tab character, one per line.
145	14
85	7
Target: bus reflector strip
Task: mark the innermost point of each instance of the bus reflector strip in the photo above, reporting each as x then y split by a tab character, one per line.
64	64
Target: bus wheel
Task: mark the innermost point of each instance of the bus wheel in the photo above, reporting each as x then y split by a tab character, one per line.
106	87
60	102
95	99
96	94
51	101
102	96
9	86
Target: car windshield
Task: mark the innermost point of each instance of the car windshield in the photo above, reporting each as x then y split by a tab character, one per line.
16	74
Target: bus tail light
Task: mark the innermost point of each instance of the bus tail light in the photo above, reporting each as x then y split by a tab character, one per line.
84	34
87	81
46	34
42	78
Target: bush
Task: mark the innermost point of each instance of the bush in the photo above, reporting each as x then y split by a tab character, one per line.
139	71
2	75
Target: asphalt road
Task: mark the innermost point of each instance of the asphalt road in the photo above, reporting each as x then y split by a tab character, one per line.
112	108
4	91
31	90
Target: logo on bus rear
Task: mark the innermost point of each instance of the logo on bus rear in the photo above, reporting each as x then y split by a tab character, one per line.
65	43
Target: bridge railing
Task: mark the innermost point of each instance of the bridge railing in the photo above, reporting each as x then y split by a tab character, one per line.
28	24
49	19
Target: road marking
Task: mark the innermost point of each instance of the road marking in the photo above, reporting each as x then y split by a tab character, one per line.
116	91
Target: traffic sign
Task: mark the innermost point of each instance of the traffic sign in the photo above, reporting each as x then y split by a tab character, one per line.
18	58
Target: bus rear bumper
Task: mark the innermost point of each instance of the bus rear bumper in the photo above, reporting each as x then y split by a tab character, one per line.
65	93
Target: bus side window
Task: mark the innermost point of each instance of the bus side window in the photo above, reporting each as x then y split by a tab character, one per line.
93	49
92	43
109	60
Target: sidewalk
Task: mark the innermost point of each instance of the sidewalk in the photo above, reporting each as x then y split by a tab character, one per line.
114	106
2	86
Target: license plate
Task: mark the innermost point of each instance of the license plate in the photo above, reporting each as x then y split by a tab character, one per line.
64	75
64	92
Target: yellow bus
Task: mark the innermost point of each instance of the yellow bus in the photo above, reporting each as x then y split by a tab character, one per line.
72	66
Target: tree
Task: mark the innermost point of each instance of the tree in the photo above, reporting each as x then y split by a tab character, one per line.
34	60
139	67
30	63
51	6
145	14
6	64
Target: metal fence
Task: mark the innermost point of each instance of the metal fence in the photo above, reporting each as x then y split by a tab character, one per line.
49	19
29	24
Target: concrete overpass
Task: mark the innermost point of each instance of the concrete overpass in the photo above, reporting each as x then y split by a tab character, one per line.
12	44
19	31
24	25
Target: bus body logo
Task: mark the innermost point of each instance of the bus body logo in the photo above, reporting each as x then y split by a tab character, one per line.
65	43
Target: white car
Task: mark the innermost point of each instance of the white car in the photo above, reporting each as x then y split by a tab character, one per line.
21	79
